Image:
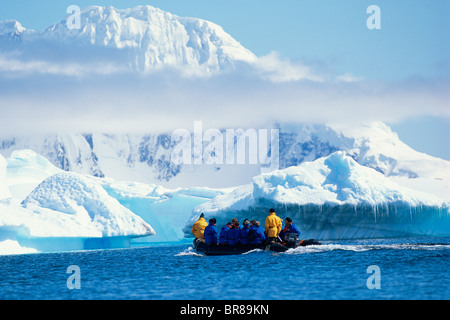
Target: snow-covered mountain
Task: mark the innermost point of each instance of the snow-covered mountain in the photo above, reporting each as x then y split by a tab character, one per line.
143	38
147	158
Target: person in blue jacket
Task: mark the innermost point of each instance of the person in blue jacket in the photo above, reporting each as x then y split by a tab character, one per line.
235	222
256	233
244	232
211	233
223	233
233	235
289	227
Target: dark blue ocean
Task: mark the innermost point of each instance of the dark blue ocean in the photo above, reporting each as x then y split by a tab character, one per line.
395	269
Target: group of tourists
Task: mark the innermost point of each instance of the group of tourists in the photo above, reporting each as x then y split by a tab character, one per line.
250	232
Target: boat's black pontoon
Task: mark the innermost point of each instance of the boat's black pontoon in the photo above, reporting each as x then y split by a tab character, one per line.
291	242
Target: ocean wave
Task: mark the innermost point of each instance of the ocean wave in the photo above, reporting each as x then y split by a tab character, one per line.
362	248
189	252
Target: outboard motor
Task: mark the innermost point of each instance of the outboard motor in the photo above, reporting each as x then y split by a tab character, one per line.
291	239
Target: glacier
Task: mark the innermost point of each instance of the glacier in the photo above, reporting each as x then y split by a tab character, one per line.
332	198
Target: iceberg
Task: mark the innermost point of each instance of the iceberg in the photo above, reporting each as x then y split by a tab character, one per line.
26	170
334	197
49	209
78	196
69	211
166	210
9	247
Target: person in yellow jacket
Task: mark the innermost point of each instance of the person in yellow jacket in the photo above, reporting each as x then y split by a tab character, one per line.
198	229
272	226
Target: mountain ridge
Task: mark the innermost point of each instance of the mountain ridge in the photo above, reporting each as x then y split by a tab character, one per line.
147	157
143	39
155	38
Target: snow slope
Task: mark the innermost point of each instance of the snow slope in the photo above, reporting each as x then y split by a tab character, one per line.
143	39
148	38
334	198
377	146
160	38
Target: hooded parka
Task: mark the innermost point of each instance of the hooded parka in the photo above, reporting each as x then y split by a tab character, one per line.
273	225
198	229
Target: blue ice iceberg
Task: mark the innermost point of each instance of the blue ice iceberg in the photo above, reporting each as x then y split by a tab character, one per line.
333	198
166	210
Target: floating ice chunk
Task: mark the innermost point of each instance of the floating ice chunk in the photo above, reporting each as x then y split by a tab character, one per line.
81	198
69	211
10	247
